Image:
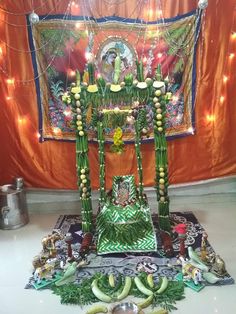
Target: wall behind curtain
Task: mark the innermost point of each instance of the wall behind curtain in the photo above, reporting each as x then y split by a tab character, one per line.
210	153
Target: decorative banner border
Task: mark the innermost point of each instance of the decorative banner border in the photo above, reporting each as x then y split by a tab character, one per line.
59	46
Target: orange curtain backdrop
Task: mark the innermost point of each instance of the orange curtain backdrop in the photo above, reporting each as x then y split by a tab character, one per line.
208	154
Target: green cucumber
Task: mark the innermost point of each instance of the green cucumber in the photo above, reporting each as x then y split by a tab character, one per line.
163	286
98	293
124	293
210	277
141	287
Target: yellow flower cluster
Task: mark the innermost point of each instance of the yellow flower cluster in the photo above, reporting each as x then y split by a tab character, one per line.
117	137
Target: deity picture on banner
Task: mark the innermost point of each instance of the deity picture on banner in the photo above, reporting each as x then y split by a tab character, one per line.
107	53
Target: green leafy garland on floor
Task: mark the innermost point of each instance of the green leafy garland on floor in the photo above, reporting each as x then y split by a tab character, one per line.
82	294
134	94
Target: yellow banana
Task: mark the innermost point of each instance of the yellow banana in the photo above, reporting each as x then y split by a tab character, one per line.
145	303
97	309
111	280
150	280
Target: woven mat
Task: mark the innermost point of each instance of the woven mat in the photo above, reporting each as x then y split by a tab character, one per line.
126	263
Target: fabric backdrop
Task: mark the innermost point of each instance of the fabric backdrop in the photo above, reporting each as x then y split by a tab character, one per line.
210	153
60	43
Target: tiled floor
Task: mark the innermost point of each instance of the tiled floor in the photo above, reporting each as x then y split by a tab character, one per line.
17	247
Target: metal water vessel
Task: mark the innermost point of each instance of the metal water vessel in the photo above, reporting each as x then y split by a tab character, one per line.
13	206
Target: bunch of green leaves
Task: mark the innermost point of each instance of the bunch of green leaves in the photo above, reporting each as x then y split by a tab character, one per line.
76	294
167	299
82	294
124	232
114	120
118	149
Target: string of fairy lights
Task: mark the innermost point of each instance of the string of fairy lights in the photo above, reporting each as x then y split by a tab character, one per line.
89	22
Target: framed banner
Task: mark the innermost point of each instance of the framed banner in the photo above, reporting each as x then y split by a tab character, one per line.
61	46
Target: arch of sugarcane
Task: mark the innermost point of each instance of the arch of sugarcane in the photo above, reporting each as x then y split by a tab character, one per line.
137	92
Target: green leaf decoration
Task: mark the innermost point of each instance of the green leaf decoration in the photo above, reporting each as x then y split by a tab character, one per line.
57	89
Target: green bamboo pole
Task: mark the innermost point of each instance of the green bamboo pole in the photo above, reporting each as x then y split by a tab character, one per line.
101	154
82	161
159	111
139	158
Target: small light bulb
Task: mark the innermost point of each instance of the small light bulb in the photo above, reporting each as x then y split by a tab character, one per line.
175	98
231	56
67	112
222	98
77	25
71	73
190	130
38	135
56	130
159	55
89	56
144	59
116	109
22	120
10	81
225	78
210	117
233	36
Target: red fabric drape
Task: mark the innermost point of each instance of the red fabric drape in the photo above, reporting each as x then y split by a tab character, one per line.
208	154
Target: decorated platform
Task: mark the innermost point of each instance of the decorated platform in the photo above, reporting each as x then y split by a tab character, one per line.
133	265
